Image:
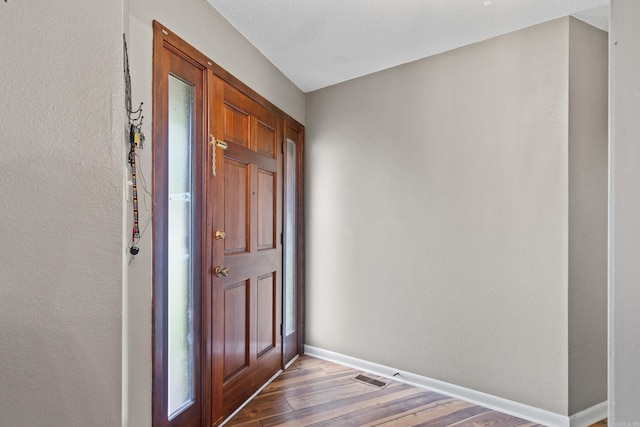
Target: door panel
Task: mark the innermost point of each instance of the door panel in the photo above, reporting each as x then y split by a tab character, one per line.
236	126
236	331
266	138
236	207
266	210
246	205
266	339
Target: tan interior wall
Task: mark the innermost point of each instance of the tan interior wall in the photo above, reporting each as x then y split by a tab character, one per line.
61	168
437	209
588	125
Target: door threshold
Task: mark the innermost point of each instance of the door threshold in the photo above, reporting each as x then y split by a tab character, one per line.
246	402
291	362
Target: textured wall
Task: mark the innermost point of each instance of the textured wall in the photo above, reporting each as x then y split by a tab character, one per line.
588	125
201	26
438	217
61	213
624	211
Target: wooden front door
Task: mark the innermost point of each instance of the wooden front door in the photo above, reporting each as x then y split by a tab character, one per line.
245	206
218	232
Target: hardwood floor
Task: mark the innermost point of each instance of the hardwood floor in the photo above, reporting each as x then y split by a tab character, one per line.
313	392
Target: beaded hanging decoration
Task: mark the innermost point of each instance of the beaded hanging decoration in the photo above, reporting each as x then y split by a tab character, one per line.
136	140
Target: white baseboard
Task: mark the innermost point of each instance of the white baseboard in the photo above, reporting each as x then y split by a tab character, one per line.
590	415
530	413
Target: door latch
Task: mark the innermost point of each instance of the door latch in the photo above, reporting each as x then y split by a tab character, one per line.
221	271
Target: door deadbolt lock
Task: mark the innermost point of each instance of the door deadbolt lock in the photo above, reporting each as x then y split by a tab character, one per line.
220	235
221	271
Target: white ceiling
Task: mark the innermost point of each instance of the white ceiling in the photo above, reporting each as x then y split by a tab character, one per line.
318	43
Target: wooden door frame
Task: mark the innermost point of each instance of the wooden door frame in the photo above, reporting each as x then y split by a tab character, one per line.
162	38
300	235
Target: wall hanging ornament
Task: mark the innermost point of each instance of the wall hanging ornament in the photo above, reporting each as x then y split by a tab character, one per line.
135	140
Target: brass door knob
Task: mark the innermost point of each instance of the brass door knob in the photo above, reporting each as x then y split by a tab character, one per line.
221	271
220	235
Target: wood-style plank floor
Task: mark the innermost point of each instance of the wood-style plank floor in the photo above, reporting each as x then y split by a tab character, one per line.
313	392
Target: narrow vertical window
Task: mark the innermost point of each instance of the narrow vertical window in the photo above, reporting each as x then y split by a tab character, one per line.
180	247
290	237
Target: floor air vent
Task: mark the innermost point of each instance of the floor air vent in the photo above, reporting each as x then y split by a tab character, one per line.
370	381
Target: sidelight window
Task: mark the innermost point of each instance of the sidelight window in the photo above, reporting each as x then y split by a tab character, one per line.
180	246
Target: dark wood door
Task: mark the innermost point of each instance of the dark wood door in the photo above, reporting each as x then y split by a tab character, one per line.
246	226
